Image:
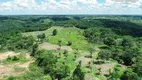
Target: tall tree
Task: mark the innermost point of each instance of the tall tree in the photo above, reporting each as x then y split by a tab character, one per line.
78	74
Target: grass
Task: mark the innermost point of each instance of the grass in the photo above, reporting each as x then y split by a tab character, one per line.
71	34
69	59
15	59
64	35
19	69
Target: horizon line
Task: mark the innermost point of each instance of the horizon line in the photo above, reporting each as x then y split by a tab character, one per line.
69	14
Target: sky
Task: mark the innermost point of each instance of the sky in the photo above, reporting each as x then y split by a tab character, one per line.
68	7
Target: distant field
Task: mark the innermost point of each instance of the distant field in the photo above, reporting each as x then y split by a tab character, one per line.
65	34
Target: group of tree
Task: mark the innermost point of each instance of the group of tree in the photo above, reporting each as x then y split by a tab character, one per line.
126	50
57	70
13	40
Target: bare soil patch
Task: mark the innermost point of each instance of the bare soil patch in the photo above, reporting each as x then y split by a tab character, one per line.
48	46
9	69
84	60
6	54
104	68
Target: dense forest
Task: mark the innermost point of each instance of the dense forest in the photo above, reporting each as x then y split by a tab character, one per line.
112	39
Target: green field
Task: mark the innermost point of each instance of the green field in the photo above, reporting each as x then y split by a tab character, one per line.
71	34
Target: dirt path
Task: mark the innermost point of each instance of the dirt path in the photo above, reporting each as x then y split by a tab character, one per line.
49	46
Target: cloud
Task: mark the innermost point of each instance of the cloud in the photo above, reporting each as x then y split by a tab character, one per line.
70	7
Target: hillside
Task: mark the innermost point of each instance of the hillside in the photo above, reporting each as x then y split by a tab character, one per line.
70	48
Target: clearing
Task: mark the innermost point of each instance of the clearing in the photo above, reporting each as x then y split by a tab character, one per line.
48	46
13	69
64	35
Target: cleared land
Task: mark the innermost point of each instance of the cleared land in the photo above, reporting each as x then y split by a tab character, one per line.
64	35
14	68
48	46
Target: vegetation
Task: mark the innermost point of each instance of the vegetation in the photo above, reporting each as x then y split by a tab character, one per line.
15	59
54	32
96	47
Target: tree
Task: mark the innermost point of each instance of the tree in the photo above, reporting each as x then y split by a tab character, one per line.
61	71
78	74
127	42
11	78
59	43
129	75
34	50
15	58
69	43
54	32
109	41
41	37
48	62
138	65
128	56
104	54
65	53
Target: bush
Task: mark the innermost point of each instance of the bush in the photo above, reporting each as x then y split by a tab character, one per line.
104	54
15	59
69	43
54	32
11	78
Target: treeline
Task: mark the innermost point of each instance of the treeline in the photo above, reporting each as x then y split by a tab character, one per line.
24	23
122	25
118	26
13	40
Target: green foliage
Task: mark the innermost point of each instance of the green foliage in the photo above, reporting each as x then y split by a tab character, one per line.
71	34
41	37
117	73
61	71
65	52
11	78
69	43
13	40
15	59
24	23
54	32
78	74
127	42
129	55
34	76
118	37
34	50
49	64
100	35
129	75
105	54
138	65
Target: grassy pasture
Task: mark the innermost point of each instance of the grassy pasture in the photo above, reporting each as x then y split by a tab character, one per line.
64	35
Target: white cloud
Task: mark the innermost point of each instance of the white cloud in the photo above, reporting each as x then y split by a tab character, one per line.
69	7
